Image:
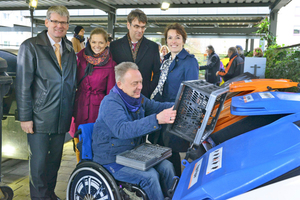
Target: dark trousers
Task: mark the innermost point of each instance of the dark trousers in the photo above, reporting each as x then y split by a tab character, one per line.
45	152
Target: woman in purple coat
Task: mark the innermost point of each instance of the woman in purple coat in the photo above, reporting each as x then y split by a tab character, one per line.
95	78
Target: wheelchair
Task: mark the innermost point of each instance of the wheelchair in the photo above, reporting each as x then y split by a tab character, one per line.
91	181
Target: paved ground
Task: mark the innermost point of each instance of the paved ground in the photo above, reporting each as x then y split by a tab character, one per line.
15	174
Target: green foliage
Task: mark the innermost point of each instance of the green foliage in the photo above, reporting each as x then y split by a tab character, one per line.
264	30
248	54
283	63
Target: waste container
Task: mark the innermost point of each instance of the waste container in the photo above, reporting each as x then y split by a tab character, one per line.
14	140
5	82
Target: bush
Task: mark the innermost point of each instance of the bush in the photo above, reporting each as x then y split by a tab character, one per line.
283	63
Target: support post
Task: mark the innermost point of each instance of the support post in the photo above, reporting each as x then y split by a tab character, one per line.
252	45
273	22
111	24
247	43
31	19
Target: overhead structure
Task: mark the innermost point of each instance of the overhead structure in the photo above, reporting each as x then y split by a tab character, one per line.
213	25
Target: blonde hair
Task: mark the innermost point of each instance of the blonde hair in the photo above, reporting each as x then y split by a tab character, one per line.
164	46
61	10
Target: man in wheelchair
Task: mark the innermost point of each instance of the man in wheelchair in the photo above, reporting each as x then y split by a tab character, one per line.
125	118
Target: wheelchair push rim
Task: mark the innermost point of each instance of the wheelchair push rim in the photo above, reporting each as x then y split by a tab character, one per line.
89	184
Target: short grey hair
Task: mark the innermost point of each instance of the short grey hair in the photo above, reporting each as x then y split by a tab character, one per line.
61	10
122	68
210	47
232	50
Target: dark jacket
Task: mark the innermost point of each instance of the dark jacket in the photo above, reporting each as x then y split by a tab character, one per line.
184	67
213	65
113	135
147	60
234	68
45	94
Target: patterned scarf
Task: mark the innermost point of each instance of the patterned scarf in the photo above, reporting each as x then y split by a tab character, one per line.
136	49
163	77
79	37
132	104
99	59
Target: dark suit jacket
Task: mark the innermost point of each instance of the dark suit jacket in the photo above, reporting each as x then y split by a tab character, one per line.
147	60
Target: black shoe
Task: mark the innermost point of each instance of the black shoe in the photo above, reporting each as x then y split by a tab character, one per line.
54	197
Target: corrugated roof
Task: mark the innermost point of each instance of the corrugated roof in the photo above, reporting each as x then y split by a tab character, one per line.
115	4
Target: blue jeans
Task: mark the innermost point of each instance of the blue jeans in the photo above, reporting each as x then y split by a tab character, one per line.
155	182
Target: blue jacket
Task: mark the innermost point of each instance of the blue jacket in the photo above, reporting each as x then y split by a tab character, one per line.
117	129
183	68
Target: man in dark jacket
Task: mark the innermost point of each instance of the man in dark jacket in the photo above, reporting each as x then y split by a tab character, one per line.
212	66
137	116
235	66
45	84
134	47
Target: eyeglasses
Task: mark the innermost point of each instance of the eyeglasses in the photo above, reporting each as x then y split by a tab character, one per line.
139	27
58	22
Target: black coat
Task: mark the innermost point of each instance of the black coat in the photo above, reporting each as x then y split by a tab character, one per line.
147	60
236	68
213	65
45	94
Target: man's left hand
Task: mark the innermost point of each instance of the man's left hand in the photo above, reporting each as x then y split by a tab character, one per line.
167	116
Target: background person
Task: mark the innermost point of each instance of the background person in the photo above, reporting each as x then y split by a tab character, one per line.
212	66
95	78
240	51
45	85
134	47
163	51
136	117
235	66
258	52
78	39
178	66
109	40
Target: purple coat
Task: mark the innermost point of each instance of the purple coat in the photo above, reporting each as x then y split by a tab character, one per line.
92	89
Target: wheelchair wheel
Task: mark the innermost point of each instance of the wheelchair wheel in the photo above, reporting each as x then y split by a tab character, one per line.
7	192
91	181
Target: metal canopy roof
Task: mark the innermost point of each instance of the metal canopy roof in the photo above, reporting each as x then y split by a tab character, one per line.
221	25
218	25
112	5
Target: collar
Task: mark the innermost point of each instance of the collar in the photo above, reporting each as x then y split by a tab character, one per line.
52	42
42	39
181	55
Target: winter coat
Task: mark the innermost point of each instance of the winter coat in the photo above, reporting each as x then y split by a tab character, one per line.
184	67
77	45
234	68
213	65
117	129
92	89
147	60
45	94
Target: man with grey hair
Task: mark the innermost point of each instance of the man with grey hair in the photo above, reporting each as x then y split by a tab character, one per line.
134	47
212	66
46	84
125	118
235	66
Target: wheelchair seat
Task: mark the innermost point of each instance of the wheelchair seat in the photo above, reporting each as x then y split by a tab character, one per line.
90	180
